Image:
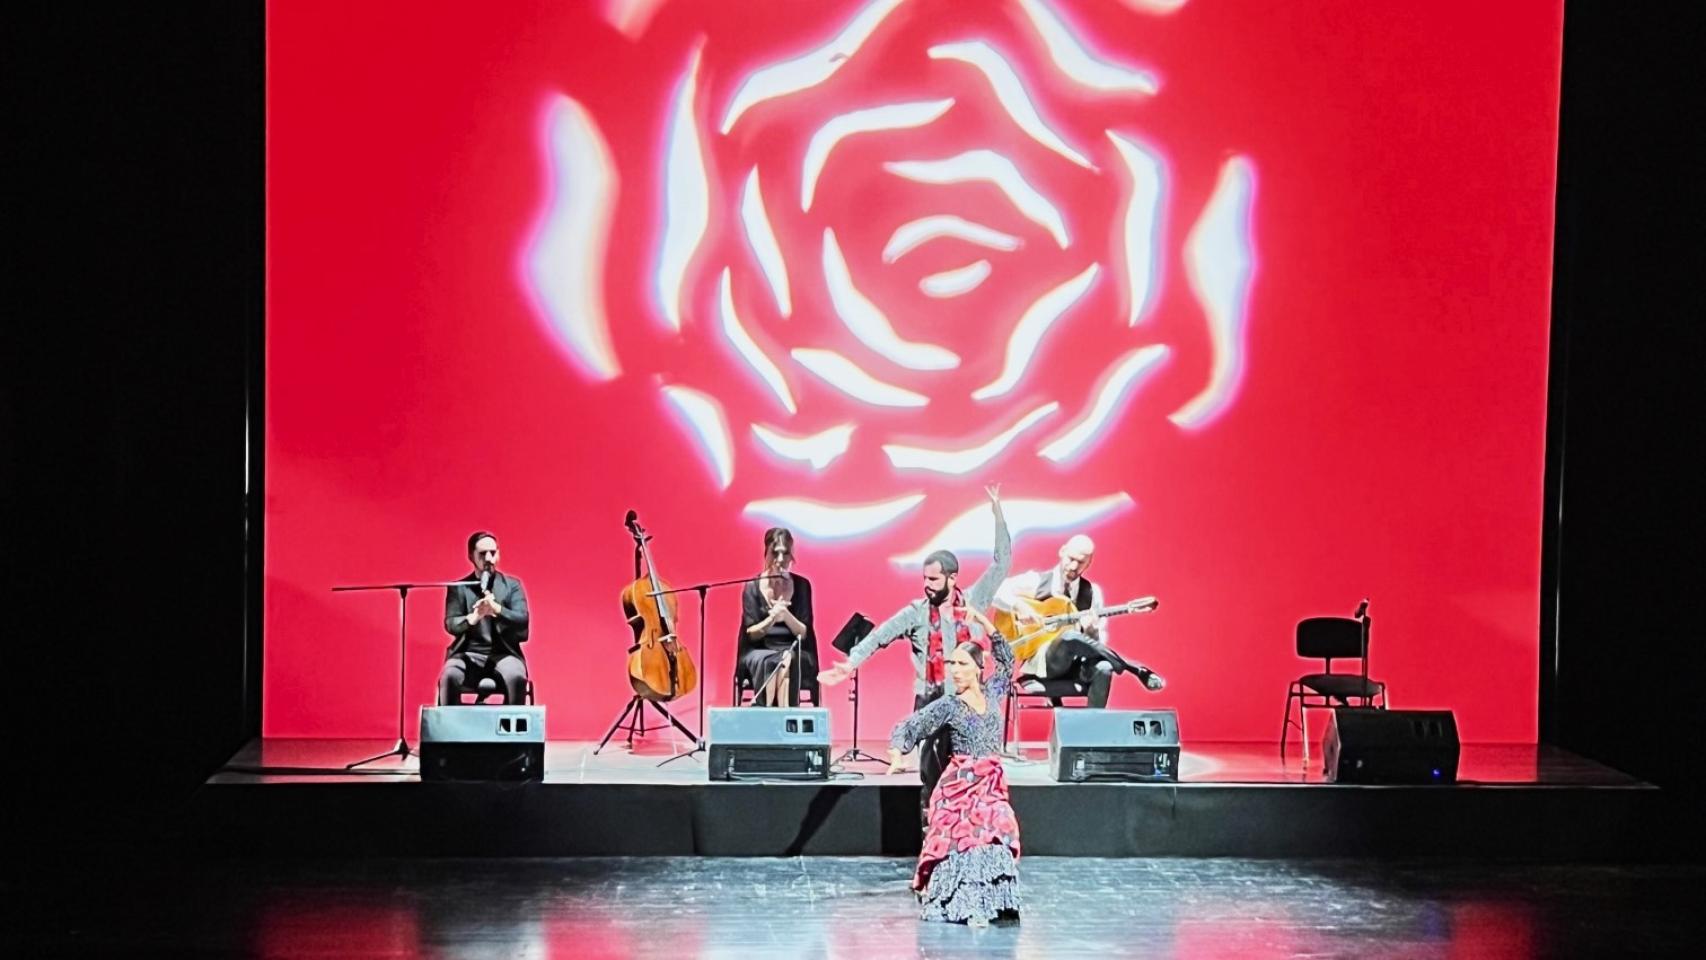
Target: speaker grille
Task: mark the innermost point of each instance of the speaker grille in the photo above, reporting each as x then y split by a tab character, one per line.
768	763
1081	765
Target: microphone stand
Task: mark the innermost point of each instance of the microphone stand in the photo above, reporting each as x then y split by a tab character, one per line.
401	749
701	588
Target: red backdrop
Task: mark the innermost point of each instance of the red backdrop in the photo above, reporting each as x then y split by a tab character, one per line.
1255	293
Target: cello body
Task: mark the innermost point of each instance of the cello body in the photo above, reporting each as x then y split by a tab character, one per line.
659	668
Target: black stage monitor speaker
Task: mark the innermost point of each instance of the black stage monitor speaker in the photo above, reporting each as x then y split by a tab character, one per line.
1114	745
769	743
483	743
1391	746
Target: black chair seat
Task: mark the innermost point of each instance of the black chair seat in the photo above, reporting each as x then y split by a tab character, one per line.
490	687
1342	686
1028	686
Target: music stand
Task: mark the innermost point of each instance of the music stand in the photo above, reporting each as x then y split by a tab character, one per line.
401	749
855	630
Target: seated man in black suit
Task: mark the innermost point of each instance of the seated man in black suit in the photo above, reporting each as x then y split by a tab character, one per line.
486	618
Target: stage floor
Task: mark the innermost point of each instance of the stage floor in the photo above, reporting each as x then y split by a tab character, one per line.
829	908
275	760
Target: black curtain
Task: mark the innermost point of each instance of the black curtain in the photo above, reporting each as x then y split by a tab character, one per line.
1621	670
136	214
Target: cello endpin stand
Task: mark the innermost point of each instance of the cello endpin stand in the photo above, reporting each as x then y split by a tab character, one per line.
636	724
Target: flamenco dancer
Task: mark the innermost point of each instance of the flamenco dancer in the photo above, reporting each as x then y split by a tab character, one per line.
968	871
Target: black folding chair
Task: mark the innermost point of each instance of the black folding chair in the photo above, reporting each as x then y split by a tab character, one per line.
1328	639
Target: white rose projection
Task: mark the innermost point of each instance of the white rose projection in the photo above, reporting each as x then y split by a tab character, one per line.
922	250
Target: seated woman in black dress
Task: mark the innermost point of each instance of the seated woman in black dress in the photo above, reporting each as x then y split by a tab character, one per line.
775	612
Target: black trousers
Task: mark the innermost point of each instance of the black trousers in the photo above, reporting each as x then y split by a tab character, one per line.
1075	656
459	671
934	752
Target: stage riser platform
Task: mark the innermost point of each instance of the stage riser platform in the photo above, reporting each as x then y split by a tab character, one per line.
409	819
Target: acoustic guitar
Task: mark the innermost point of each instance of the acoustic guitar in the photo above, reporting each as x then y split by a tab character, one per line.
1057	613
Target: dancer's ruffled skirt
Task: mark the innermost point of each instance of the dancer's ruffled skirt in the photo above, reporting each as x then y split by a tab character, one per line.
969	867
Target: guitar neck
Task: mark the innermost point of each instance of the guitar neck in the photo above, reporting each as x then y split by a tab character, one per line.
1116	610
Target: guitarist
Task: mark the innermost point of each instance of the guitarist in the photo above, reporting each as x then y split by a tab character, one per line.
1080	653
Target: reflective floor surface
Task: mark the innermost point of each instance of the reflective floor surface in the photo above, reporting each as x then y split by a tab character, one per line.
851	908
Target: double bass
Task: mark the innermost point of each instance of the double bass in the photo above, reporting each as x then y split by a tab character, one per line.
659	668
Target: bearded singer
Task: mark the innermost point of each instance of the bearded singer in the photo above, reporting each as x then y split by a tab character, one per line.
486	617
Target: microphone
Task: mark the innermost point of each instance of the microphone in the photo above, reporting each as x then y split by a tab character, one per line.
1362	608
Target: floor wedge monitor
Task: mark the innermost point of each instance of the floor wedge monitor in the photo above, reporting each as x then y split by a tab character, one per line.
769	743
1390	746
483	743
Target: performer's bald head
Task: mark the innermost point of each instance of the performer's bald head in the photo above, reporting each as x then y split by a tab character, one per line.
1075	556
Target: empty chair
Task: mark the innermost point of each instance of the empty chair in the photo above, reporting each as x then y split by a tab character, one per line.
1328	639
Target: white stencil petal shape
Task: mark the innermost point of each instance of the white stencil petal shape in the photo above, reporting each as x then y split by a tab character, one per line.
1111	397
703	417
990	167
963	461
832	521
817	449
1220	264
1010	93
848	377
956	282
687	196
894	116
1028	333
973	532
914	233
748	349
1141	225
810	68
1071	57
762	238
869	324
566	260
